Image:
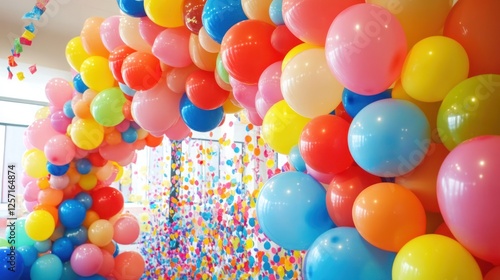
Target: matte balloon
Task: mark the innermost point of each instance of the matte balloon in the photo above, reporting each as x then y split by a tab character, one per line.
284	208
353	102
40	132
361	34
91	37
199	119
220	15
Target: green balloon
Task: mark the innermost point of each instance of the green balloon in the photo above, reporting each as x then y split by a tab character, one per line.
107	107
221	70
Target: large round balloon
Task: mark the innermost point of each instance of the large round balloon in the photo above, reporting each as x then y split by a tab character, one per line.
220	15
247	51
291	210
11	263
171	47
204	92
133	8
165	13
470	110
366	34
141	71
468	196
341	253
389	137
107	107
199	119
107	202
473	24
116	58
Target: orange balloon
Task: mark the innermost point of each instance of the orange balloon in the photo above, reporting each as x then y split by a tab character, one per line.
434	221
49	208
153	141
90	217
176	78
50	196
91	37
82	109
113	138
43	183
422	180
203	59
388	215
230	106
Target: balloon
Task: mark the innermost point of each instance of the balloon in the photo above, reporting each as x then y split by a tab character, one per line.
133	8
100	232
171	46
207	43
281	127
430	59
305	73
284	208
301	17
201	58
243	43
361	34
434	256
176	78
75	53
39	225
221	70
493	274
341	253
467	178
96	74
11	263
116	58
353	102
46	267
129	265
39	133
203	91
470	23
34	163
165	13
126	230
469	110
244	94
199	119
295	158
149	30
86	259
63	248
283	40
109	32
178	131
58	91
388	215
389	137
107	202
29	255
141	71
91	37
276	13
87	134
192	12
295	51
130	35
257	9
71	213
269	84
107	107
342	192
219	16
261	107
60	150
420	19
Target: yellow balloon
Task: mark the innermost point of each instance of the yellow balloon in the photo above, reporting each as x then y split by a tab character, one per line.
166	13
296	50
282	126
434	256
96	74
100	232
75	53
433	67
87	181
39	225
42	113
420	19
229	106
87	134
119	174
34	163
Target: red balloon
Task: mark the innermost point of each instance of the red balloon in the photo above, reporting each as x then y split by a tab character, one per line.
341	112
141	71
192	12
202	89
323	144
107	202
283	40
247	51
96	159
342	192
115	60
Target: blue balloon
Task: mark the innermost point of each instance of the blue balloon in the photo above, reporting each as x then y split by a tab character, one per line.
68	110
71	213
47	267
11	263
219	16
78	84
341	253
117	250
389	137
276	12
133	8
296	159
68	273
93	277
63	248
198	119
43	246
291	210
353	102
77	236
29	254
83	166
57	170
129	135
126	89
85	198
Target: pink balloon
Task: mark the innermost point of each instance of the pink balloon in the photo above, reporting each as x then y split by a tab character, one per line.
25	179
171	47
31	191
319	176
156	109
30	205
269	83
39	132
86	259
261	105
126	230
254	117
58	91
110	35
149	30
361	35
79	153
59	182
178	131
469	196
60	150
118	152
123	126
59	121
130	159
244	93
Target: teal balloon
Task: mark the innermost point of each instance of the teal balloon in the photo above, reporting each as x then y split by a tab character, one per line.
296	159
107	107
47	267
68	273
21	238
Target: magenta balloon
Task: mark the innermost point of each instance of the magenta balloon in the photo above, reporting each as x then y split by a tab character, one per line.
156	109
39	132
110	34
469	196
58	91
59	121
269	83
149	30
361	35
244	93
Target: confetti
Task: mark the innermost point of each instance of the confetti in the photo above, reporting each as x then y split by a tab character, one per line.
33	69
20	76
12	61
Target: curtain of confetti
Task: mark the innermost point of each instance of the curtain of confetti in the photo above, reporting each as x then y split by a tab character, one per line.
213	233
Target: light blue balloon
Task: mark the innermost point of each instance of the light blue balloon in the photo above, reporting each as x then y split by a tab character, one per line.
389	137
291	210
276	12
43	246
219	16
47	267
126	89
296	159
29	254
341	253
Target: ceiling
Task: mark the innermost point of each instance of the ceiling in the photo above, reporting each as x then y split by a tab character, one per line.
61	21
